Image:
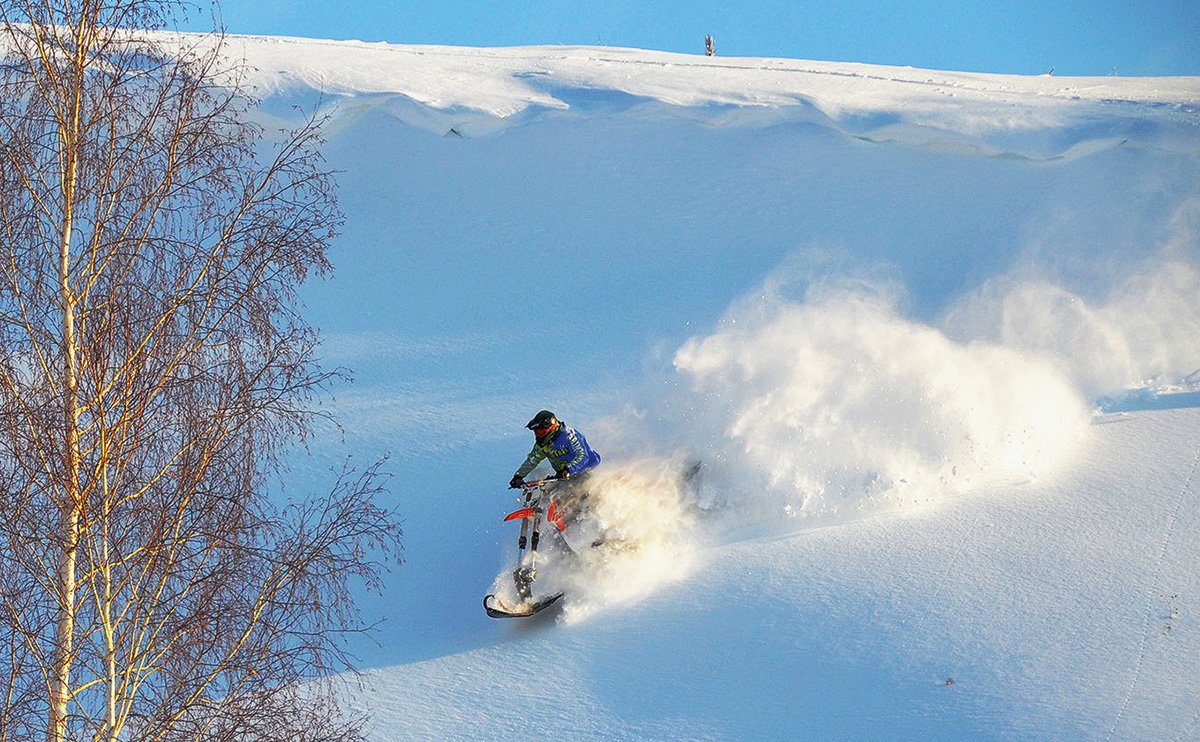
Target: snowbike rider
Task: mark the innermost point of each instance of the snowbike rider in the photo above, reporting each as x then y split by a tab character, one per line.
568	452
572	459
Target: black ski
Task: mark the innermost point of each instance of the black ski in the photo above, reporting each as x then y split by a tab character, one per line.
497	608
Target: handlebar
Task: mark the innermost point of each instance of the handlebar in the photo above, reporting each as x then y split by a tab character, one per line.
536	484
533	497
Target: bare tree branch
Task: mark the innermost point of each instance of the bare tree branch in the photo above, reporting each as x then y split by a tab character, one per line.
154	373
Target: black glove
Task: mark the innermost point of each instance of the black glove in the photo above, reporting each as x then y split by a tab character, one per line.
564	474
516	482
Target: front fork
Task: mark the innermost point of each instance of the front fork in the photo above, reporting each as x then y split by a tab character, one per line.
526	571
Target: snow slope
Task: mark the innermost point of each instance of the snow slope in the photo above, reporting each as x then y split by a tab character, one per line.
1046	612
897	313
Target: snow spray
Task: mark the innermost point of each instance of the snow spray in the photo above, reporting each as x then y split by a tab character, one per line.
641	516
839	404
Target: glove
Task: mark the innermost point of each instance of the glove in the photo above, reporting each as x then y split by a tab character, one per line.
516	482
564	474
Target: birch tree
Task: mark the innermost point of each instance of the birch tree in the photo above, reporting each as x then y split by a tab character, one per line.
154	371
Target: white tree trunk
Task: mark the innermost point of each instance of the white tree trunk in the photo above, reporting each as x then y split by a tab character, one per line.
71	505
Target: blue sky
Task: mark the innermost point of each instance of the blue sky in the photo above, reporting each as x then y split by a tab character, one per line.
1076	37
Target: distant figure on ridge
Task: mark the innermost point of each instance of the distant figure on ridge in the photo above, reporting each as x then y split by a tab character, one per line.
708	45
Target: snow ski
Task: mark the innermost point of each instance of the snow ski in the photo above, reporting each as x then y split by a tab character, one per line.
497	608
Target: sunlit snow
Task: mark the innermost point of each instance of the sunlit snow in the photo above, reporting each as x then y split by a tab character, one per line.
934	337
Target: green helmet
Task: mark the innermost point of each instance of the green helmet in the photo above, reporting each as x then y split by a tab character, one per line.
544	419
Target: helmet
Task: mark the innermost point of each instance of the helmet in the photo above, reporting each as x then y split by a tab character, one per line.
542	423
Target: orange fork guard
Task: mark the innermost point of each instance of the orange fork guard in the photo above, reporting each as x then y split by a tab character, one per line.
556	516
520	514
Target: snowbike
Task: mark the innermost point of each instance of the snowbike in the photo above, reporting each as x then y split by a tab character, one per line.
540	507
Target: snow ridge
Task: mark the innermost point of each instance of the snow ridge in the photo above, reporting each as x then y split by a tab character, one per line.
478	91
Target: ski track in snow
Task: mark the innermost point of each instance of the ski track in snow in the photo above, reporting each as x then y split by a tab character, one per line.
1154	590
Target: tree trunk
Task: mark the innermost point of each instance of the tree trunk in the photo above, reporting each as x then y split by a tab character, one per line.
69	525
71	505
